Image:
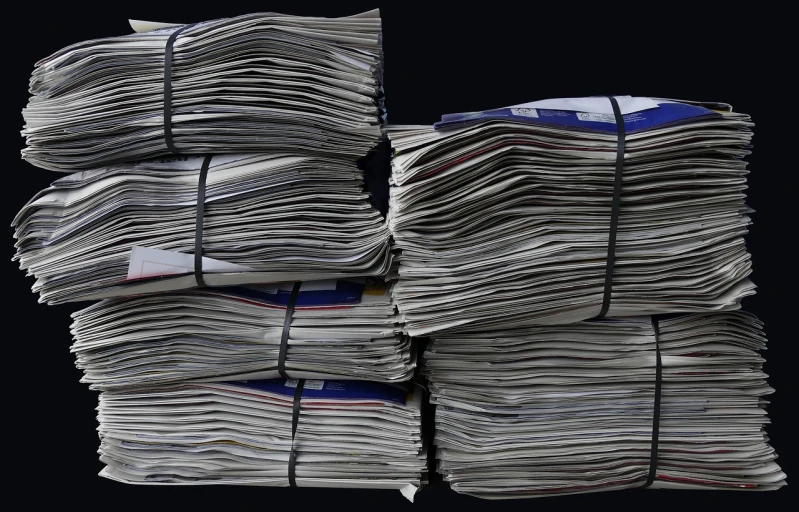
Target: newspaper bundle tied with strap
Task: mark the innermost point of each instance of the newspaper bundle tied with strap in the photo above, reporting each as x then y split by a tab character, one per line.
562	210
343	434
599	405
335	329
260	82
136	228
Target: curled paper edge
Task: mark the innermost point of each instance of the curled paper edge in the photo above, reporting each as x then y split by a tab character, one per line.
409	491
140	26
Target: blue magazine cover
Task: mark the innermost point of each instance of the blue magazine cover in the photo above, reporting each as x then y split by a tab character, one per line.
344	292
664	114
333	389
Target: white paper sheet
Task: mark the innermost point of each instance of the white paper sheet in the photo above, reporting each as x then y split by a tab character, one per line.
140	26
598	104
146	262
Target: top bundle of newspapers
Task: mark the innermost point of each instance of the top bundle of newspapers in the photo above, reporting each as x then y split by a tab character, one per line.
245	331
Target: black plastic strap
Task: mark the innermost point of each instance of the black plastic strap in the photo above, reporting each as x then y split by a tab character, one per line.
295	419
614	215
198	227
284	338
653	457
170	43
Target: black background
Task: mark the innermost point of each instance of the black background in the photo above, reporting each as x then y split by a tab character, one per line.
464	57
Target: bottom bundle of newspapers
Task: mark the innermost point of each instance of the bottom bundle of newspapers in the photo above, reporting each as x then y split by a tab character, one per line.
348	434
568	409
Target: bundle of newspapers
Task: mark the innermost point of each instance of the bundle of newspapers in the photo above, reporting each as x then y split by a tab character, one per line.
254	83
265	217
503	216
548	410
342	329
341	434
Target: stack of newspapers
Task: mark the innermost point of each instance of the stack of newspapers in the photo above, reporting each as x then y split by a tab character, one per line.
578	264
566	409
343	328
348	434
127	229
503	216
255	83
217	211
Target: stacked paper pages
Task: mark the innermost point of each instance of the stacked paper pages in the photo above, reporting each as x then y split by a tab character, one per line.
349	434
503	216
345	329
253	83
119	230
567	409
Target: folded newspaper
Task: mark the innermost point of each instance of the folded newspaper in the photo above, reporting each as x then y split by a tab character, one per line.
340	329
255	83
130	228
348	434
551	410
503	216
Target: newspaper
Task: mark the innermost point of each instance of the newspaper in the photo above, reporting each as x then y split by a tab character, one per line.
340	329
502	217
266	218
550	410
350	434
260	82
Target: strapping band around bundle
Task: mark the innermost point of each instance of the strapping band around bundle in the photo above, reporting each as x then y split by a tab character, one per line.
284	338
653	455
170	43
614	215
295	419
198	226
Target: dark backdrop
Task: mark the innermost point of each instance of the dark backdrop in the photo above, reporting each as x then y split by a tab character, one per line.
438	60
